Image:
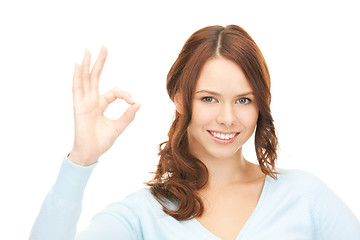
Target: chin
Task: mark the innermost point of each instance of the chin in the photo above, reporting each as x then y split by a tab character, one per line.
223	153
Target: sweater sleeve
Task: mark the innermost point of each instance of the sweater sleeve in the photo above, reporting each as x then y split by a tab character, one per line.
333	218
61	208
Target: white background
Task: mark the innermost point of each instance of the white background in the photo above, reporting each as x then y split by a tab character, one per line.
311	47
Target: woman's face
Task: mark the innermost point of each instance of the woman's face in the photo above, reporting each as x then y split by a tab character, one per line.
224	113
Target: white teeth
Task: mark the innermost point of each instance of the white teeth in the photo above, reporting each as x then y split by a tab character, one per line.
223	136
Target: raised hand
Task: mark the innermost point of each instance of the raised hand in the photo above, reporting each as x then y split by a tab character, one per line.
95	133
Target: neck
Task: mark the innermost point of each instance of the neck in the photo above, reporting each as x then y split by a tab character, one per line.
228	171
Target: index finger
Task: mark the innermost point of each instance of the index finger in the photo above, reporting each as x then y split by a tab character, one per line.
113	94
97	69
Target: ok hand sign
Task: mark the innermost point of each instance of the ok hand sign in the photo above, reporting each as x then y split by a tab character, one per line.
95	133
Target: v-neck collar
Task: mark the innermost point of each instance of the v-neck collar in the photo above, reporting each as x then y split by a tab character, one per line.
243	230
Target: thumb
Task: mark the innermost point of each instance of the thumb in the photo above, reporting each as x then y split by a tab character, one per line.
128	116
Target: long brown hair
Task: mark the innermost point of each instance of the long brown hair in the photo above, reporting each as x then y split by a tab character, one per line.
179	174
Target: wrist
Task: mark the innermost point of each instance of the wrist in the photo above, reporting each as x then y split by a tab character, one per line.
81	159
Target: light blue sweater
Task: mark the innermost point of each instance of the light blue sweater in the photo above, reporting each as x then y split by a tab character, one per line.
295	206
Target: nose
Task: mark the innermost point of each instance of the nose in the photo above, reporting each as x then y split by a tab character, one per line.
225	115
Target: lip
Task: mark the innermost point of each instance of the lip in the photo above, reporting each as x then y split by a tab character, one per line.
223	141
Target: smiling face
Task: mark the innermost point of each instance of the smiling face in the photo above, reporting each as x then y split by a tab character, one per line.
224	112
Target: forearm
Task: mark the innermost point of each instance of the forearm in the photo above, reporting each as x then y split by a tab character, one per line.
61	209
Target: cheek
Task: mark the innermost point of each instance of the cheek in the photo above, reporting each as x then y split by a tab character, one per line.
249	117
201	115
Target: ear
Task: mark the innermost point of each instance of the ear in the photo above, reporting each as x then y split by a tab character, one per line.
178	103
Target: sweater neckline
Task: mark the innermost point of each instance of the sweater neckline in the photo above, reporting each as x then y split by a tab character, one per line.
248	223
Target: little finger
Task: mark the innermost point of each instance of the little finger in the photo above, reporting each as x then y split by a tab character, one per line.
77	83
85	66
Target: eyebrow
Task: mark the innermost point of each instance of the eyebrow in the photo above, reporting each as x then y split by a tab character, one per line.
217	94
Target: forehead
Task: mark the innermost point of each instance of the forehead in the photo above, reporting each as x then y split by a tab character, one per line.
223	76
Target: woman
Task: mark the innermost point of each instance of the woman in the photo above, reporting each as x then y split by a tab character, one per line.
204	188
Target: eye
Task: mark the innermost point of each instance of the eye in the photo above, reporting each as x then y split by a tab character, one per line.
244	100
208	99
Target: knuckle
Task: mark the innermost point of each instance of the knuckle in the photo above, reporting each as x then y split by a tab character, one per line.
129	116
115	91
120	93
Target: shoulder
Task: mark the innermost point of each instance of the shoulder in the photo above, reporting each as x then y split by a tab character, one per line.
137	214
142	195
332	218
132	212
137	205
296	175
299	185
138	199
299	180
